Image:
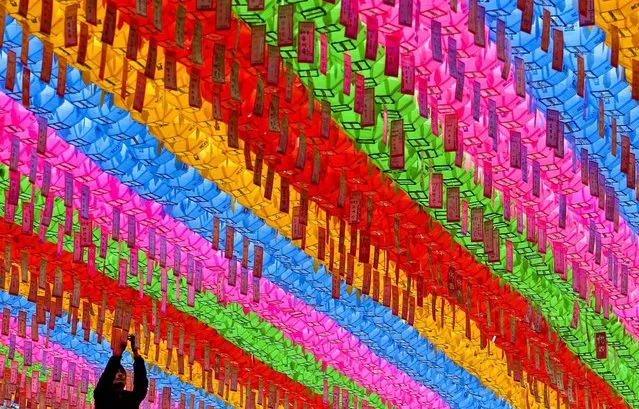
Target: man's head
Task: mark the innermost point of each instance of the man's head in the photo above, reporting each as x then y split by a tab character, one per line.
119	382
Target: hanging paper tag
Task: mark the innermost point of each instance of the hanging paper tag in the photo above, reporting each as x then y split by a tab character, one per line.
593	177
527	16
610	202
219	72
325	127
586	13
258	41
258	261
601	345
368	114
614	45
515	149
284	195
297	227
581	75
348	71
480	27
625	153
452	204
520	77
204	4
306	42
223	15
229	242
323	53
131	225
170	71
601	124
488	179
545	35
108	32
71	26
436	40
584	166
477	224
406	13
46	15
557	50
450	132
372	38
47	59
500	35
436	193
408	74
461	75
422	98
15	153
391	66
273	69
285	25
632	167
536	178
273	114
195	97
11	70
82	48
360	94
452	57
397	145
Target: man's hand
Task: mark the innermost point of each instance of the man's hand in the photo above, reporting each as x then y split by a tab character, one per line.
134	346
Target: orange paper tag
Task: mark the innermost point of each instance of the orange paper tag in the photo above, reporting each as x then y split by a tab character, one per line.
132	44
581	75
46	14
71	26
62	77
613	127
527	16
140	92
545	35
26	87
108	32
558	50
11	71
152	58
23	8
24	49
91	11
84	39
614	46
170	71
3	18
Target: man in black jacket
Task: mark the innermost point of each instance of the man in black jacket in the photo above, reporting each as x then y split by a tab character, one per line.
109	392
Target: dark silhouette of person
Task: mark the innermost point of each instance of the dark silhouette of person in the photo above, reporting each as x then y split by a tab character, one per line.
109	392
